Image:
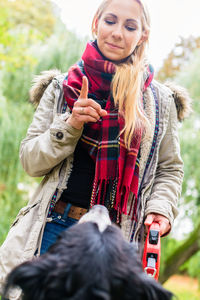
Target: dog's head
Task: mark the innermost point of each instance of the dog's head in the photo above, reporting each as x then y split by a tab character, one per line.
87	264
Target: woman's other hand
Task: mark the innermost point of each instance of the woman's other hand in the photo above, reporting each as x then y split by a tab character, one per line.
165	226
85	109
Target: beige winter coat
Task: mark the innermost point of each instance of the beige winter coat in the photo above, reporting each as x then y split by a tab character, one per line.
46	153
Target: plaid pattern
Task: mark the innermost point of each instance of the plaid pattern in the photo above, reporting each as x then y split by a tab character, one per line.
117	168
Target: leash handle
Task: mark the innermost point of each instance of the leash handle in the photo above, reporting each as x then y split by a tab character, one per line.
152	251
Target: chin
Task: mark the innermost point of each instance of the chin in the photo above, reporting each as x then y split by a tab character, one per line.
90	261
114	58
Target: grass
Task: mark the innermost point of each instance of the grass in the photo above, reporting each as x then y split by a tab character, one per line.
184	287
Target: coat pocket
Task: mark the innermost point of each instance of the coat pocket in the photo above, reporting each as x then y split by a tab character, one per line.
23	212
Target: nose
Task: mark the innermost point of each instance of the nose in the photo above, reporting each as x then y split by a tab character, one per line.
100	209
117	32
99	215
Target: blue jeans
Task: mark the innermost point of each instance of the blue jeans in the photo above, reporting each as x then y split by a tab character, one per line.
59	223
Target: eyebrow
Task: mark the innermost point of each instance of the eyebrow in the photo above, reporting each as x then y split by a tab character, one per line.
128	20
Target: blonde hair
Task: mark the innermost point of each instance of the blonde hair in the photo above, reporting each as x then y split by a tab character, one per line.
128	79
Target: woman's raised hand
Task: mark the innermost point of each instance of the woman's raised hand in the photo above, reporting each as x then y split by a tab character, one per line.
85	109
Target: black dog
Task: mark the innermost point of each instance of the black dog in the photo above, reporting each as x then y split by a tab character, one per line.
87	264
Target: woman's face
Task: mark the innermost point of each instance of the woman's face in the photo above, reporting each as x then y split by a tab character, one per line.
119	29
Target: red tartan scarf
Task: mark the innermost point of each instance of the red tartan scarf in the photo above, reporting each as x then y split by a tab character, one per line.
116	168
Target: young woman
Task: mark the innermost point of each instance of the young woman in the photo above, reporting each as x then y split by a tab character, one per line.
104	133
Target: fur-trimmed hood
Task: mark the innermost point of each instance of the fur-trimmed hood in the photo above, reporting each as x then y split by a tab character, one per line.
182	100
40	83
180	94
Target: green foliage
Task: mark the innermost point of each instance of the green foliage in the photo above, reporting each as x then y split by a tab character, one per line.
168	245
179	57
192	266
13	123
22	23
36	15
16	84
60	51
190	78
189	133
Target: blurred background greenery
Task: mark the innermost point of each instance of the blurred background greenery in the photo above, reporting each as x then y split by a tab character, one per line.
33	39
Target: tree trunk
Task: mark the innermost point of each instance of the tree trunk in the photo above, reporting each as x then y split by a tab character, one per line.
181	255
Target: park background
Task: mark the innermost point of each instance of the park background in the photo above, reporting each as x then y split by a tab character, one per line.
37	35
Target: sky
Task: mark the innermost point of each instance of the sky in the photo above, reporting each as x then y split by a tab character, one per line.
169	20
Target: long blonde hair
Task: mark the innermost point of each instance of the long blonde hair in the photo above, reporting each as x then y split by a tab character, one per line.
127	81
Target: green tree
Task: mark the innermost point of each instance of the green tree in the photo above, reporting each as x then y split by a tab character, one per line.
22	23
188	249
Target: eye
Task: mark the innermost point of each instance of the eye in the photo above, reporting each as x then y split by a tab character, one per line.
109	22
130	28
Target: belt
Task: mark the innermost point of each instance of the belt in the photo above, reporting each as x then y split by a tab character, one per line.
75	212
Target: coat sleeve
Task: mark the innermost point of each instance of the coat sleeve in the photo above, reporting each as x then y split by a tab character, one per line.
49	138
169	173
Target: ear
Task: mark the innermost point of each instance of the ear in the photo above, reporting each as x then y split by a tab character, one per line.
29	276
144	37
96	23
153	290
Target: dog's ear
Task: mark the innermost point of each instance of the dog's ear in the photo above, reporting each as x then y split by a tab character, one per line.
152	290
29	276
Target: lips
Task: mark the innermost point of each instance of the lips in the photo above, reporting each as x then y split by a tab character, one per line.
113	46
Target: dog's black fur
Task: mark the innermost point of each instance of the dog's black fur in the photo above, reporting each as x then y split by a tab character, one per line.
86	264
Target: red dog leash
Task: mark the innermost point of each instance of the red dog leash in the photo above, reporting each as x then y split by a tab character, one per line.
152	250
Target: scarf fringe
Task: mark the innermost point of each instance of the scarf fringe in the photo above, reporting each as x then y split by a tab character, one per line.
104	193
133	208
108	193
125	199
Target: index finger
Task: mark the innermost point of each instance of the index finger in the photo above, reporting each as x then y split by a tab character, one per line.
84	88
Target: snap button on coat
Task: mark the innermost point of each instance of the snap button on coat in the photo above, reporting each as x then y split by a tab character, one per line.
59	135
